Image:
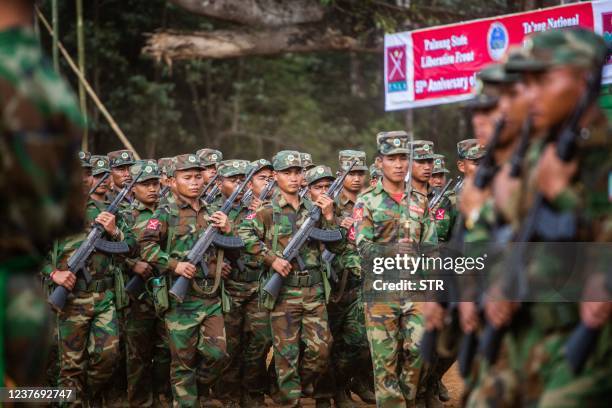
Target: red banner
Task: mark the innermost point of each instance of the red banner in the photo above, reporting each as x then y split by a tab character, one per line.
438	65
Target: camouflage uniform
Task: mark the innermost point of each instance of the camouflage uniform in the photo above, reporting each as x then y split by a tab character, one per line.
120	158
41	190
247	324
195	326
536	339
445	212
394	326
299	313
307	162
148	355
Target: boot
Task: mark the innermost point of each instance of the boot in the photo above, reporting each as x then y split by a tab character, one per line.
365	393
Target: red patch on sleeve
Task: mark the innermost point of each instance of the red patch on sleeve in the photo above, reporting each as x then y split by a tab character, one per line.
250	216
153	224
351	234
440	213
358	214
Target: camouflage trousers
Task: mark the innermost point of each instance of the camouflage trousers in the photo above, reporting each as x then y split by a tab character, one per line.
196	335
88	342
350	355
394	330
299	315
148	355
247	327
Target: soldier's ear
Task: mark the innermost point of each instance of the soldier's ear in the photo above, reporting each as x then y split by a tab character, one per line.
378	161
274	173
461	166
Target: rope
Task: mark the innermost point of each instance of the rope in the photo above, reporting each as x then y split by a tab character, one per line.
89	89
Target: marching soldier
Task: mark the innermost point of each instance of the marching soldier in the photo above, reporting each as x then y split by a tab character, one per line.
299	313
195	326
384	215
445	212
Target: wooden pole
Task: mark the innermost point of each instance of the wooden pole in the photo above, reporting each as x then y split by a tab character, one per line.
81	56
55	22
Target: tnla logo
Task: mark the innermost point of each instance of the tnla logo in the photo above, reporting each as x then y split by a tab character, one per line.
396	68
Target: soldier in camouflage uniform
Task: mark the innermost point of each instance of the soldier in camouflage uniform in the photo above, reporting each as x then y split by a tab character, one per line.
555	67
260	180
375	174
85	157
445	212
148	356
40	186
120	162
247	324
87	362
299	313
383	216
195	326
210	159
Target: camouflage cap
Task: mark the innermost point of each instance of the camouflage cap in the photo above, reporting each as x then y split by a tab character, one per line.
486	90
261	164
346	157
85	158
286	159
375	171
163	164
229	168
306	159
149	170
121	158
439	165
577	47
317	173
187	161
210	157
99	164
394	142
470	149
422	149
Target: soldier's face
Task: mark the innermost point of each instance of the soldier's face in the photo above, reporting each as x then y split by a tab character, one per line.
319	187
289	180
104	187
468	167
121	175
229	184
483	123
514	106
189	183
552	95
355	181
437	180
421	170
147	192
209	172
260	180
87	180
394	167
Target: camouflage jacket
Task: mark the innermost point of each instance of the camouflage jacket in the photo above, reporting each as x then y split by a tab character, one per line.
139	216
99	264
258	232
444	215
379	219
170	234
349	258
40	180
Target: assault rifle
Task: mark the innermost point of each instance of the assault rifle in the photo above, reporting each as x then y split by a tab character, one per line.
98	183
306	232
77	263
164	191
210	197
208	237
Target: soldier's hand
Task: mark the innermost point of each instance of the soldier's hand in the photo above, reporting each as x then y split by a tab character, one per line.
107	220
472	198
185	269
347	223
504	187
434	316
595	314
255	204
553	174
281	266
327	206
220	220
499	312
468	316
142	268
66	279
226	270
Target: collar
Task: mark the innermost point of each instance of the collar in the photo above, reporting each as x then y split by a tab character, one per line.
182	203
281	202
344	199
140	206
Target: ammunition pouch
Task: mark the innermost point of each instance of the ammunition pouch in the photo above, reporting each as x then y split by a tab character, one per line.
158	289
247	275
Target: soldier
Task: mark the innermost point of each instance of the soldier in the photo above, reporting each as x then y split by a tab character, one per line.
306	159
120	162
557	68
210	160
148	356
262	176
90	310
195	326
247	325
40	185
85	157
298	314
469	151
375	174
445	212
439	172
383	216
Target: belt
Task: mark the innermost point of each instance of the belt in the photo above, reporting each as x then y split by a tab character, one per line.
248	275
96	285
204	284
304	279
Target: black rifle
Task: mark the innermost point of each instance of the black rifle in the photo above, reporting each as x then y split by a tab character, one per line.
98	183
303	192
438	196
210	197
210	183
564	223
94	242
266	191
246	198
164	191
306	232
208	237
